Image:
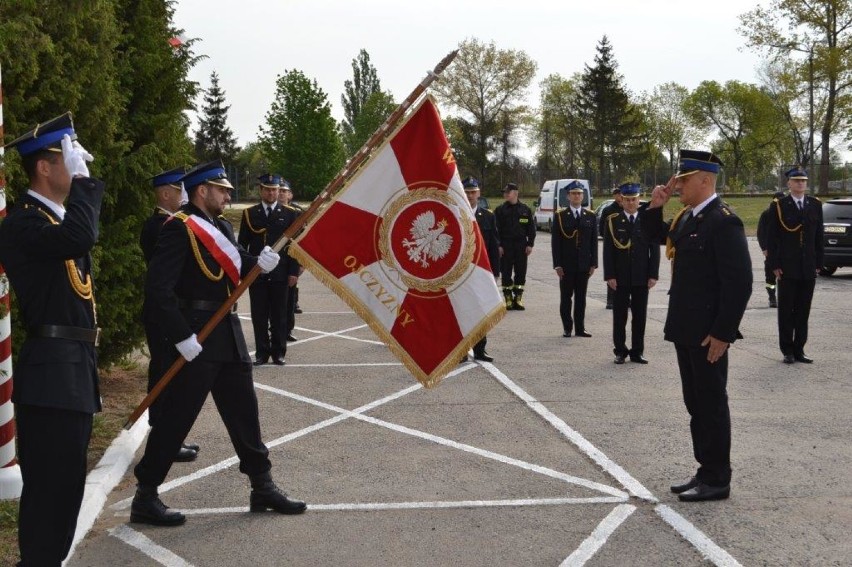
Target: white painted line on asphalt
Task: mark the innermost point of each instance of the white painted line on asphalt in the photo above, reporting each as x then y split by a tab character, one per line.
705	546
336	334
453	444
381	506
147	546
598	538
124	504
616	471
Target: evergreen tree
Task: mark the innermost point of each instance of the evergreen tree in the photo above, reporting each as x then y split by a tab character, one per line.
214	139
110	64
612	123
300	137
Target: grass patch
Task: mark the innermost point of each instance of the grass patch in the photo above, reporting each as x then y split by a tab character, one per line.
122	388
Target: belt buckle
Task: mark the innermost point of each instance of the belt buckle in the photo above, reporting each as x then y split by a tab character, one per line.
97	336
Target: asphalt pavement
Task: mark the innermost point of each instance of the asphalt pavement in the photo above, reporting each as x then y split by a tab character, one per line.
552	455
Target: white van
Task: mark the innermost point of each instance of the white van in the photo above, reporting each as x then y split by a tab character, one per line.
554	196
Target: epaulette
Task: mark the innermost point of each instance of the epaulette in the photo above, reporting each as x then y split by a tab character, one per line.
181	215
486	210
815	198
291	208
560	209
725	208
588	212
612	215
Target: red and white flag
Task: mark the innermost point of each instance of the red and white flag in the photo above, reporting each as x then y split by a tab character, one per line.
399	243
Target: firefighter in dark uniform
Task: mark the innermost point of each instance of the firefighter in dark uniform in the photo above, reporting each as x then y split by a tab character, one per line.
45	248
574	244
285	199
168	192
488	229
262	225
196	265
516	232
710	287
763	242
631	265
795	250
614	207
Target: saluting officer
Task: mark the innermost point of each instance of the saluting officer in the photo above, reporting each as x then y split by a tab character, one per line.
516	231
488	229
262	225
631	268
710	286
45	248
763	242
169	193
574	244
196	265
285	199
614	207
795	250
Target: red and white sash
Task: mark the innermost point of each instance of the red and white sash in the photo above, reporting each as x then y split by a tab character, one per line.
223	251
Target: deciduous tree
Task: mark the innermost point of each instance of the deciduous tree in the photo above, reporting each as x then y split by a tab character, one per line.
300	137
798	31
488	86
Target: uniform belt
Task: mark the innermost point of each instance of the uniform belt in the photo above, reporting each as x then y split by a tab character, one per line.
65	332
203	305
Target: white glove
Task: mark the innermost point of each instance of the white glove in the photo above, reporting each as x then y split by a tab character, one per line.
189	348
75	157
268	259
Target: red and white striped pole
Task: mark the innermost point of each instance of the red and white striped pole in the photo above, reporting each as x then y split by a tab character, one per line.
10	472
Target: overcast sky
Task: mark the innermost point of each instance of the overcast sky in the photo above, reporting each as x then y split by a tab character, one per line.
250	42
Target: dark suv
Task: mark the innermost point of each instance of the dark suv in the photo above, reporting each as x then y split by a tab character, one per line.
837	221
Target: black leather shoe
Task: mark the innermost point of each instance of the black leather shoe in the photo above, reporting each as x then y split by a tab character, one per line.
266	496
773	302
260	361
147	508
619	359
609	305
291	339
483	356
639	359
803	358
297	310
278	361
702	492
789	359
583	334
566	334
678	488
463	359
192	446
185	455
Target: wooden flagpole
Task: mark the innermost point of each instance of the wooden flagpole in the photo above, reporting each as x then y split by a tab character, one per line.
353	165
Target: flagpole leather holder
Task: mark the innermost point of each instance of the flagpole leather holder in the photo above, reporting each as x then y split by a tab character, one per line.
352	166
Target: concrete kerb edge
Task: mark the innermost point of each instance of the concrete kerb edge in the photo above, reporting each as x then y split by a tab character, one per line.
106	475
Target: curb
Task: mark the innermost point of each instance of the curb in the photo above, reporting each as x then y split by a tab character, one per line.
105	476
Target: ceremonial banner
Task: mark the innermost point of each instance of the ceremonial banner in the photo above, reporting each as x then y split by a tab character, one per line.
399	243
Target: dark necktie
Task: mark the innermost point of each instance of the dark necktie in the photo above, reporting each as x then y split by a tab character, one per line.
268	211
577	215
801	204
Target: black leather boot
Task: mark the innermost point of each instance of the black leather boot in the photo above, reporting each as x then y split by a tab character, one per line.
266	496
773	302
147	508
